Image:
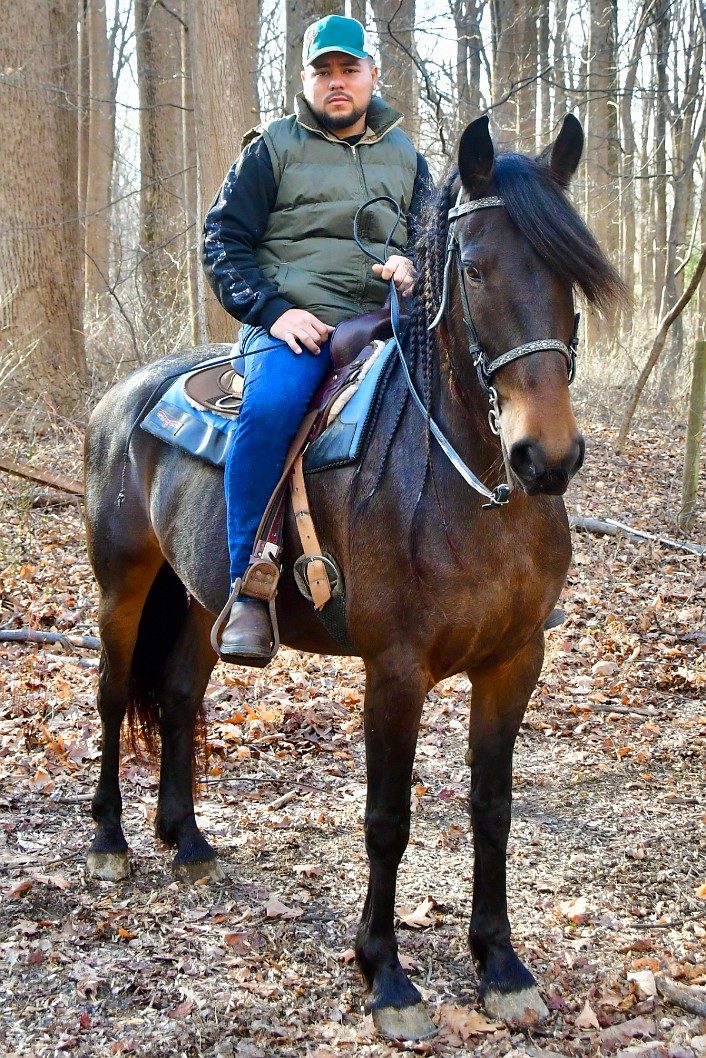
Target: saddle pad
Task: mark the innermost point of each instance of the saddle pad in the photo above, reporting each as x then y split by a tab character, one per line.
343	440
202	433
207	434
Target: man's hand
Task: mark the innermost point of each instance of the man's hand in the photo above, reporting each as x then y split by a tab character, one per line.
401	270
298	325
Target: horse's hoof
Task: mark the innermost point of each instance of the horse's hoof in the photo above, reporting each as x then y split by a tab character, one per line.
404	1023
197	871
108	866
519	1010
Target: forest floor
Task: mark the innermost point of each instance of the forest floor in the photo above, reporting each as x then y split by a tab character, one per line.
607	859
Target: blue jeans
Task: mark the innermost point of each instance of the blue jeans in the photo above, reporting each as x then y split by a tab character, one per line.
279	385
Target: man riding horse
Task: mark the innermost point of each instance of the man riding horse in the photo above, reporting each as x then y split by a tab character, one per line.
280	256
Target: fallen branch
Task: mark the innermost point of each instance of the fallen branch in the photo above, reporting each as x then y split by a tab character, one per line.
684	996
41	477
610	527
28	635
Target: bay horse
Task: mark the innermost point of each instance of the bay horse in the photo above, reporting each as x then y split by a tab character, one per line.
435	584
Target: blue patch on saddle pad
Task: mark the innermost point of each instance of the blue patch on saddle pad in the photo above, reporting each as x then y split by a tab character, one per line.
202	433
208	435
343	440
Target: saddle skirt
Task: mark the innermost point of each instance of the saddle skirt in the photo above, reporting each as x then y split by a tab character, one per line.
199	410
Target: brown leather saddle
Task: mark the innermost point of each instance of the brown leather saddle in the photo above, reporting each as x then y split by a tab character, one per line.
220	388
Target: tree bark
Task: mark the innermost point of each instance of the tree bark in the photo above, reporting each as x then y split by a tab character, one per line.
40	250
298	15
101	148
662	32
188	138
163	268
394	20
514	80
223	45
694	438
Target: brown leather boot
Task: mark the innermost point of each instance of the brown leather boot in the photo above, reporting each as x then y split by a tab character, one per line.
248	633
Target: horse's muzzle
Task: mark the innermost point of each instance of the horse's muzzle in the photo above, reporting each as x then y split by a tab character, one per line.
537	473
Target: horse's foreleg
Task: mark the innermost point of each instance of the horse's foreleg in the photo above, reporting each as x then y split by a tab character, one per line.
187	671
118	619
498	705
393	705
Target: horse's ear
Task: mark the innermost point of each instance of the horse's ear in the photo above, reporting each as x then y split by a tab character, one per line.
564	155
476	155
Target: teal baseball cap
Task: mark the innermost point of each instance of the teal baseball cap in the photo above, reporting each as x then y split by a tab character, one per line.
335	33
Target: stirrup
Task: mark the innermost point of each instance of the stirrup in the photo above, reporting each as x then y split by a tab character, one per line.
260	579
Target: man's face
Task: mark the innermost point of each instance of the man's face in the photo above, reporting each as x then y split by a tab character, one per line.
338	88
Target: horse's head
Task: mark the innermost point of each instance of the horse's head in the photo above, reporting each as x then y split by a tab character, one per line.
521	248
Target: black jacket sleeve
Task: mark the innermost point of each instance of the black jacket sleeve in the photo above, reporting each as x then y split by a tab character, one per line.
233	228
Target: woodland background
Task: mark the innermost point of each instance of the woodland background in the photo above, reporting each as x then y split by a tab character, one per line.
119	121
117	126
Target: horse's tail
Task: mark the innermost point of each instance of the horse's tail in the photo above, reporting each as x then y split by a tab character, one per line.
162	619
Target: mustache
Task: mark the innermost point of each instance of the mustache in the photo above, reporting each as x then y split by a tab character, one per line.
338	95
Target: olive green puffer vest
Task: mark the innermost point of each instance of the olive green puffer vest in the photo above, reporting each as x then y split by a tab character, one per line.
307	248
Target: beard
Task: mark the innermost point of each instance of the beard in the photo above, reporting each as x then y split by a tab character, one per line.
335	122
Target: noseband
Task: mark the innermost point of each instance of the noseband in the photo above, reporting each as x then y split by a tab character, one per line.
484	366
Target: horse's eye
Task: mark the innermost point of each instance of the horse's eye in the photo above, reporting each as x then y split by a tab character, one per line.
472	271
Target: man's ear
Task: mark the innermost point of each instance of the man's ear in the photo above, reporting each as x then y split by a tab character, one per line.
375	75
563	156
476	156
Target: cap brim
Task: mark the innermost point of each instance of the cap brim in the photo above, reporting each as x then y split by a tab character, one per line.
346	51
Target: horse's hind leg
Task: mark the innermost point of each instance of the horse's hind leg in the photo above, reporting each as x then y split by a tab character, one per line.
393	706
187	672
500	697
119	615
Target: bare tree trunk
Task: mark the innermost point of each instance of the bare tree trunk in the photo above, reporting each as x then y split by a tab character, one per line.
694	438
469	48
223	63
163	216
685	150
646	229
602	159
101	147
514	81
627	201
40	251
83	103
188	137
661	45
299	14
395	25
544	115
560	66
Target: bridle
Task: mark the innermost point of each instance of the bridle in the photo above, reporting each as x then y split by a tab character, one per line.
485	367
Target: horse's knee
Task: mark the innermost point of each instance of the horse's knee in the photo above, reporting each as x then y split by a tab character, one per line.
386	834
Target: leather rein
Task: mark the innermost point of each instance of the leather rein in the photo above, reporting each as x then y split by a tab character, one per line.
485	367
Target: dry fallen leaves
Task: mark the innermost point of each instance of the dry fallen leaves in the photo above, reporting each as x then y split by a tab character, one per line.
420	917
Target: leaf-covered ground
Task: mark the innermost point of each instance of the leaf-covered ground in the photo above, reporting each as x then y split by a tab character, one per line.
607	865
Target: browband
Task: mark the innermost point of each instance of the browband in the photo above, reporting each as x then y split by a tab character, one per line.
470	207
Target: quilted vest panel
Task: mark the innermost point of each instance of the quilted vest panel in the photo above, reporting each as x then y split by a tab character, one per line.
308	247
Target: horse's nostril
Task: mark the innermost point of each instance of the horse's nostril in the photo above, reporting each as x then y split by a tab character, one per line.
528	462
